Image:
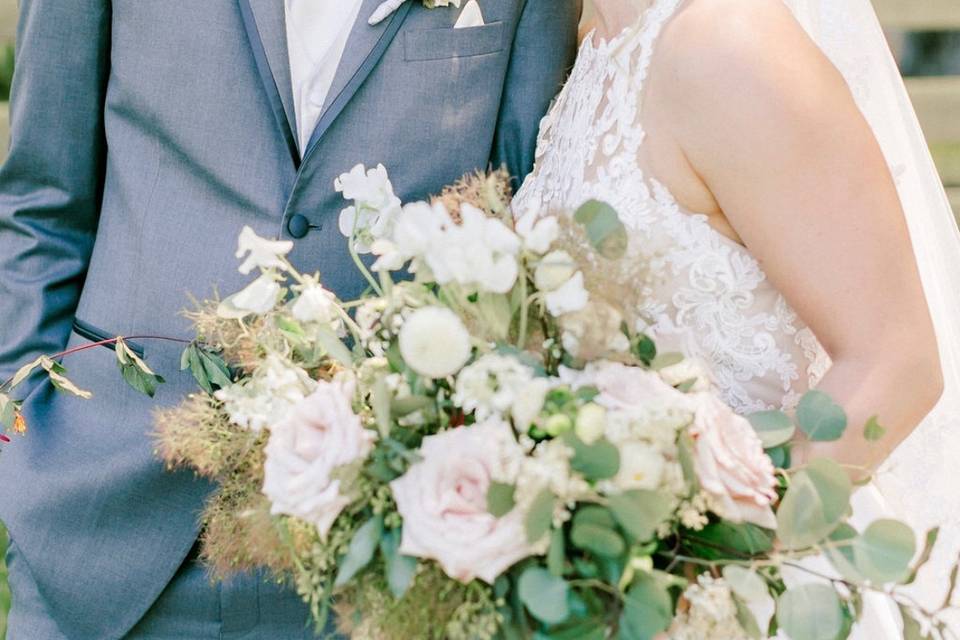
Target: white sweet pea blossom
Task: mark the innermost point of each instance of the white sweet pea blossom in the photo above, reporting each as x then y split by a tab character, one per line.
434	342
375	205
259	297
554	270
538	233
316	304
258	252
569	298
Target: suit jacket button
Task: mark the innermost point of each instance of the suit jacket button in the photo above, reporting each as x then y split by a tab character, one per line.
298	225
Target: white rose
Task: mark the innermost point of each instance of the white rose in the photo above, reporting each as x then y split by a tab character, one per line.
731	465
443	502
528	403
261	253
321	434
434	342
259	297
641	467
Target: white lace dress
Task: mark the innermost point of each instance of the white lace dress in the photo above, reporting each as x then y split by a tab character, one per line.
708	296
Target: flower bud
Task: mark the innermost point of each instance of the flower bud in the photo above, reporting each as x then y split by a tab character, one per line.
591	422
558	424
555	270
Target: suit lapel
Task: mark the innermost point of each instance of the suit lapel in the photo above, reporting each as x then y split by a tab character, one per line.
265	24
365	47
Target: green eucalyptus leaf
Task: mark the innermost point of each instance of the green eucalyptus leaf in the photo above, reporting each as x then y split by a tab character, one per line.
361	550
500	499
820	417
400	569
380	403
540	516
544	595
774	427
605	230
816	502
884	551
780	456
597	461
334	346
810	612
840	552
748	622
641	512
556	554
647	609
600	540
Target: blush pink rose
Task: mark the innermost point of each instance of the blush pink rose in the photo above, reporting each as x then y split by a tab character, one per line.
731	464
320	434
443	502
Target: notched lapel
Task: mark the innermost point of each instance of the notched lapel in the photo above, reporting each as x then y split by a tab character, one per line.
265	23
365	47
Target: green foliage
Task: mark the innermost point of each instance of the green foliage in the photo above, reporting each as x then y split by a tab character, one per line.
361	550
595	530
775	428
647	609
544	595
604	229
540	516
815	504
597	461
207	367
884	551
641	512
873	431
400	569
822	419
135	371
500	499
810	612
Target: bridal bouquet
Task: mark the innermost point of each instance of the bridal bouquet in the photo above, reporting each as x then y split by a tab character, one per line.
485	446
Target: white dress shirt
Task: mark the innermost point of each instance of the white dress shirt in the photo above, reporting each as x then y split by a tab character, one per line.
317	34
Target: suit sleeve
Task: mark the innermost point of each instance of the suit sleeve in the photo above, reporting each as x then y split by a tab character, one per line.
51	182
543	51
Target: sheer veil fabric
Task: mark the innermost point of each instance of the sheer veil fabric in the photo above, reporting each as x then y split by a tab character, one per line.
917	480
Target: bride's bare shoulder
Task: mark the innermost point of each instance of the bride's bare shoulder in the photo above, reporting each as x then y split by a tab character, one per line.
743	49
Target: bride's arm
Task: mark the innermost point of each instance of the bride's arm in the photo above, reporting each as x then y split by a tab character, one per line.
772	130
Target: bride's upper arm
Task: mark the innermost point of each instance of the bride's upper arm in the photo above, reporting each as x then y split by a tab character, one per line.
771	128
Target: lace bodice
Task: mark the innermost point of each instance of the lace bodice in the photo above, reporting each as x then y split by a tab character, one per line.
707	297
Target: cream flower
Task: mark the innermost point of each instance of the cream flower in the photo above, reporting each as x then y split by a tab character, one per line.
316	304
490	385
443	502
320	435
259	297
434	342
538	233
528	403
554	270
731	465
641	467
569	298
261	253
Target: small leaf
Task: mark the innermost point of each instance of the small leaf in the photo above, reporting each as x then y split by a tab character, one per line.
540	516
810	612
55	370
597	539
545	595
8	412
929	544
873	431
556	553
24	372
334	346
400	569
780	456
361	549
820	417
774	427
840	552
380	403
645	349
741	539
135	371
647	609
884	551
500	500
604	228
814	505
748	622
641	512
664	360
597	461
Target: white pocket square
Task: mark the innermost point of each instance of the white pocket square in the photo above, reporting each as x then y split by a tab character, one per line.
471	16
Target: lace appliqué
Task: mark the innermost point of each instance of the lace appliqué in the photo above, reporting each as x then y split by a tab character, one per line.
708	296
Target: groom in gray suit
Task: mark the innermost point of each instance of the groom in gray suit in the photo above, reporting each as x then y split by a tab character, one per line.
145	134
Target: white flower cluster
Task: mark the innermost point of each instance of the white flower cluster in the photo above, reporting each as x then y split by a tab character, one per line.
267	396
375	206
495	385
712	613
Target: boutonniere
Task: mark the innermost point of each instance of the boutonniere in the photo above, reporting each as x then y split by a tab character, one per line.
389	6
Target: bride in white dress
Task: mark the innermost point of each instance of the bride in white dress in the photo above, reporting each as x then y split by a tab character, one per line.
738	140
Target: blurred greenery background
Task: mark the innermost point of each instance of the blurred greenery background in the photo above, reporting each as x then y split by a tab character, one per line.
925	34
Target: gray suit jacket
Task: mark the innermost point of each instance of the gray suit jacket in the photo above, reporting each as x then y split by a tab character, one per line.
145	134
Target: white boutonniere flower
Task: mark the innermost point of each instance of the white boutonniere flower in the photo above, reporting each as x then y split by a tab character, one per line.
389	6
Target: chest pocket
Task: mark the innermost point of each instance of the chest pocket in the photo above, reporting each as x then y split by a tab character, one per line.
442	44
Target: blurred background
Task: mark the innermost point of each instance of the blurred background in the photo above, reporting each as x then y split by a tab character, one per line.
924	35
